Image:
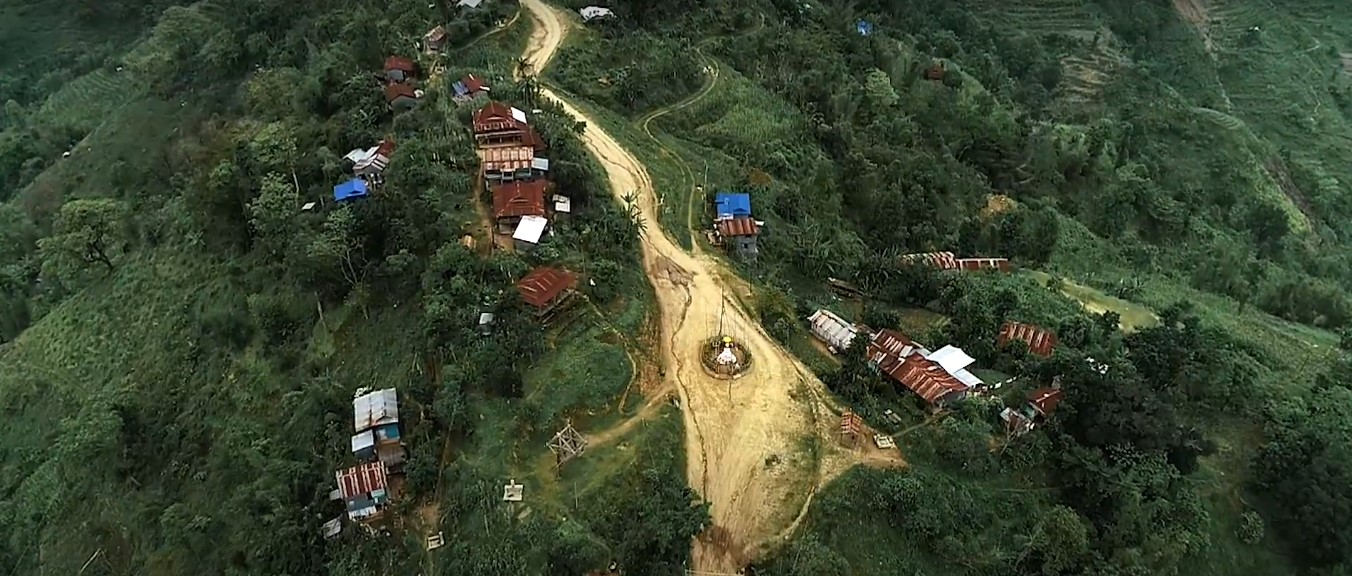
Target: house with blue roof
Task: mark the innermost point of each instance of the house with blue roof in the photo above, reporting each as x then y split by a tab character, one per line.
732	205
352	189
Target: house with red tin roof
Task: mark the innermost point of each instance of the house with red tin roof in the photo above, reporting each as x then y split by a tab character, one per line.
947	261
513	200
364	489
546	289
400	96
1040	341
399	69
739	235
939	377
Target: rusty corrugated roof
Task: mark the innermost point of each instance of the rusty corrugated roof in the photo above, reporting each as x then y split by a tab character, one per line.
507	158
543	285
519	199
738	227
1045	400
394	91
1040	341
399	63
496	117
924	377
362	479
1001	264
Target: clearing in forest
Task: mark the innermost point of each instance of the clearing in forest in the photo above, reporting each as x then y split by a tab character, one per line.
1133	316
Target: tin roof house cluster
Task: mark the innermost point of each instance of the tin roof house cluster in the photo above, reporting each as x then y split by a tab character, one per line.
365	488
940	377
516	174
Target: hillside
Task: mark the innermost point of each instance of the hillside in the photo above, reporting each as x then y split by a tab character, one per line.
186	311
191	305
1144	181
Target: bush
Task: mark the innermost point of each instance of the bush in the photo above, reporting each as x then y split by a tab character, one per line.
1250	529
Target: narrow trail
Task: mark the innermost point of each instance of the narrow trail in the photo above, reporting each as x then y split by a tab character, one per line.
744	439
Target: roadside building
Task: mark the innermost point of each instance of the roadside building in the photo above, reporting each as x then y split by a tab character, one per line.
399	69
546	289
835	331
497	124
514	200
939	377
364	490
728	205
739	236
1040	341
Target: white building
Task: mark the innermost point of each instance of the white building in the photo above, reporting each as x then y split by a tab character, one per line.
594	12
835	331
528	232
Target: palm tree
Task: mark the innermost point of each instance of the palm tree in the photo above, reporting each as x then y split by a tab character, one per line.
523	66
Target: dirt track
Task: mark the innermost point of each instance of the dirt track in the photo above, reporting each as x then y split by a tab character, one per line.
748	442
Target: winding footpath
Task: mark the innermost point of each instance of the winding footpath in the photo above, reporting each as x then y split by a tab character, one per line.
747	442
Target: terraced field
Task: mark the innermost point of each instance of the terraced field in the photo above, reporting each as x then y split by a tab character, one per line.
1086	71
84	102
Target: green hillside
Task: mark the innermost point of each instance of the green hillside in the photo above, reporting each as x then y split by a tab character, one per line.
1185	188
180	341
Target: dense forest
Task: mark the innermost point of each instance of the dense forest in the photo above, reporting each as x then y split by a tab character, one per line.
180	341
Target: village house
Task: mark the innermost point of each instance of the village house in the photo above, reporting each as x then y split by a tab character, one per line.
370	164
375	419
947	261
497	124
399	69
1041	403
1040	341
514	200
546	289
529	232
350	190
364	489
469	87
400	96
729	205
835	331
562	204
739	235
434	40
940	377
508	164
469	3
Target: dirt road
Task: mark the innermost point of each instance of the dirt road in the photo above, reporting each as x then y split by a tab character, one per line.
754	445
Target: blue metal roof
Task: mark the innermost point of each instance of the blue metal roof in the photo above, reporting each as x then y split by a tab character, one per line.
732	204
863	27
354	188
460	88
